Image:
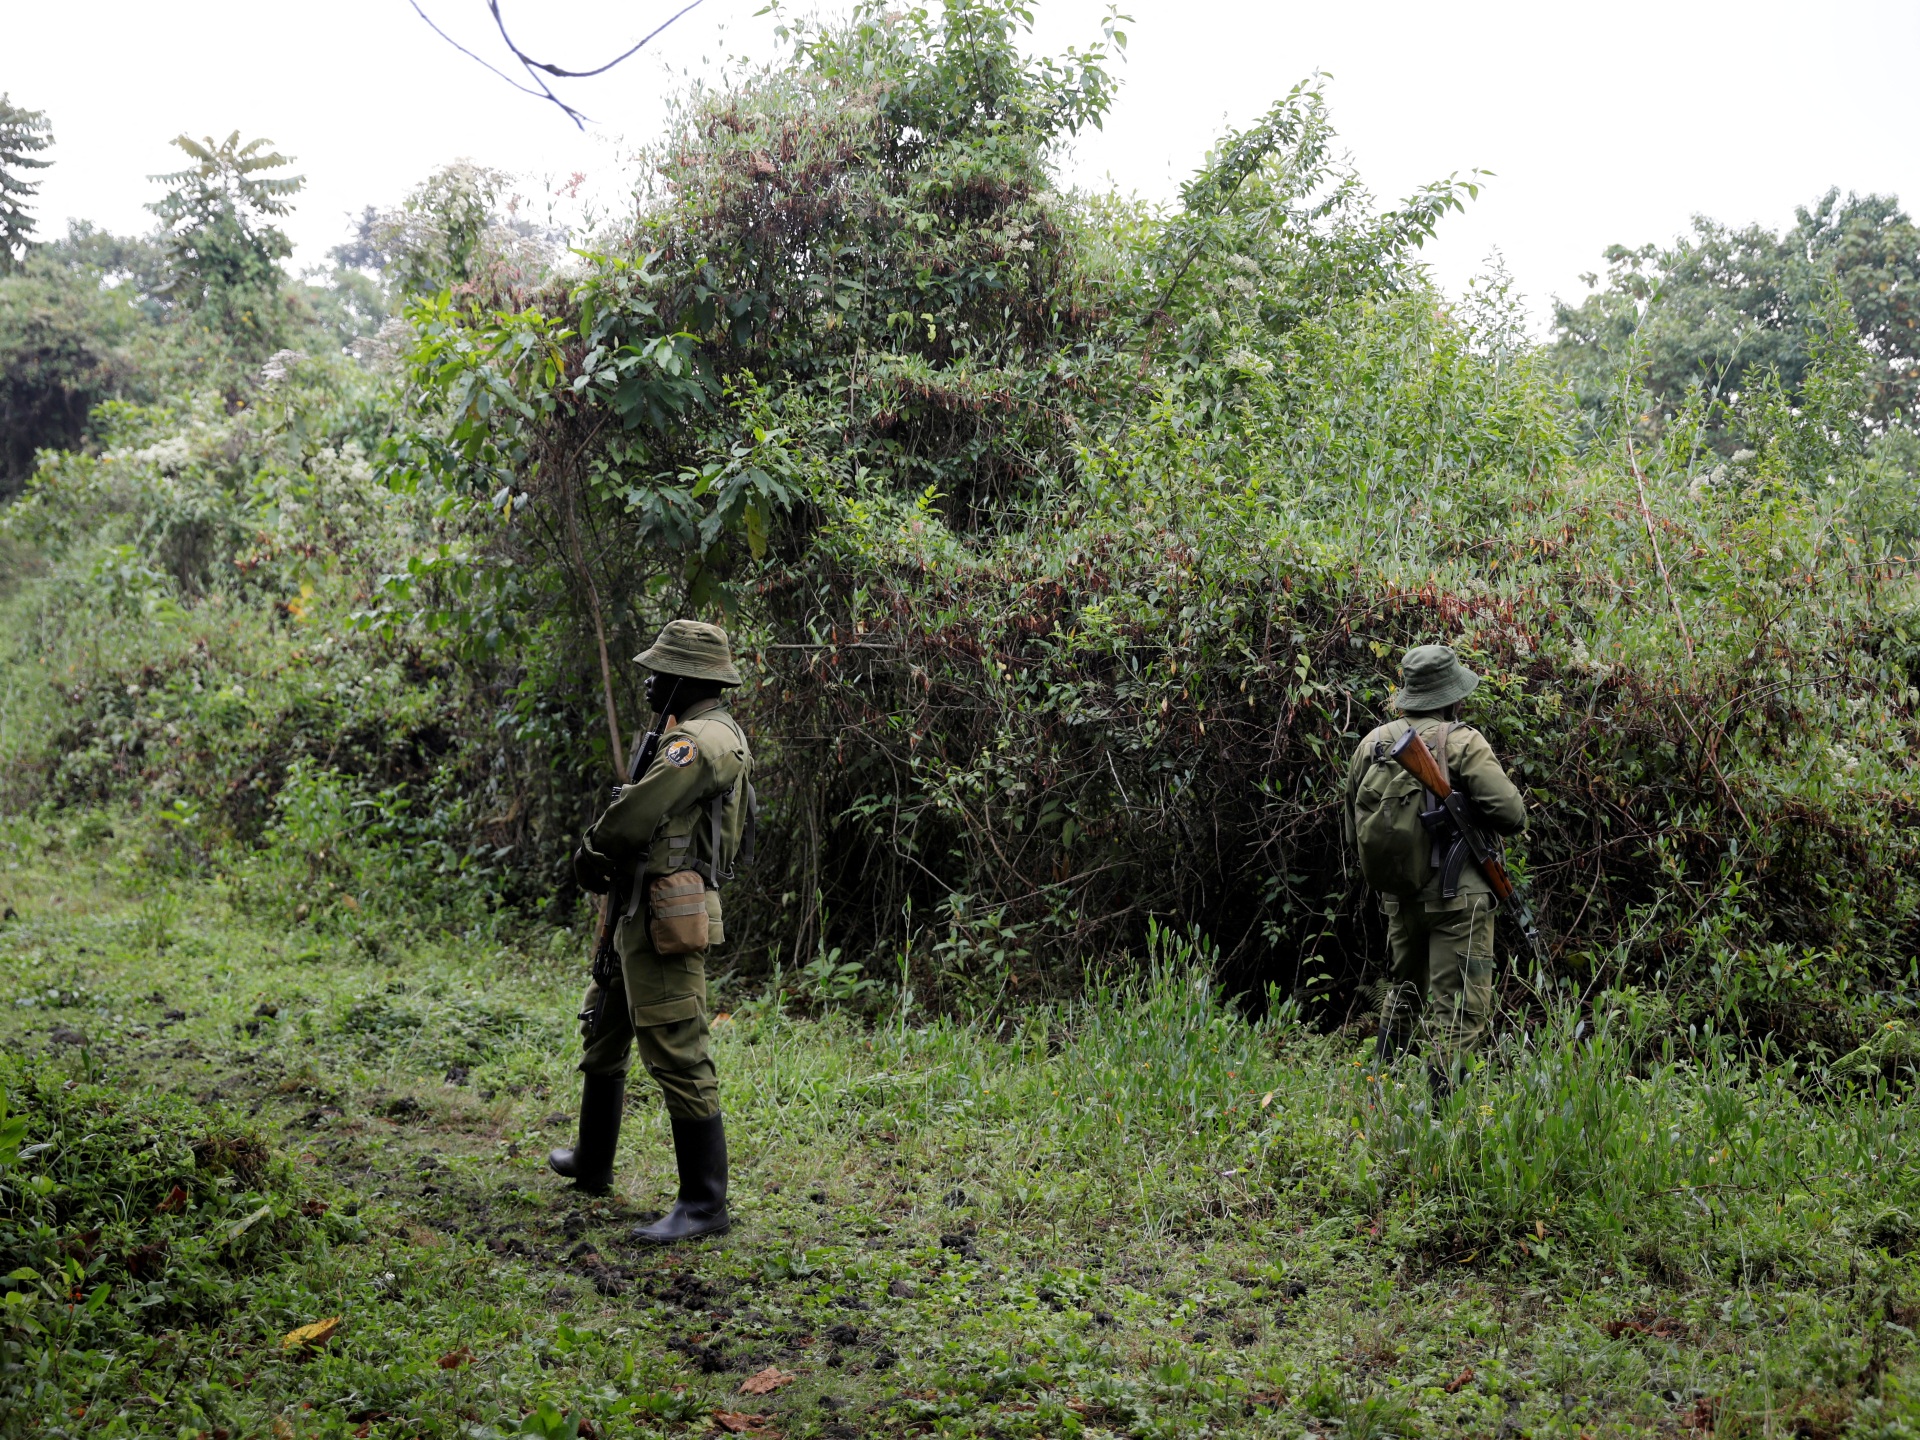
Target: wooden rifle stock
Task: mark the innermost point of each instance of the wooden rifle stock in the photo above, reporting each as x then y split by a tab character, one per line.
1417	760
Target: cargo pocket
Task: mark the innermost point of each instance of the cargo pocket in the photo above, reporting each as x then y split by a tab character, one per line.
665	989
1477	981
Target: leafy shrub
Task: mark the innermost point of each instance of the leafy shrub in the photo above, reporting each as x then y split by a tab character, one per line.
120	1219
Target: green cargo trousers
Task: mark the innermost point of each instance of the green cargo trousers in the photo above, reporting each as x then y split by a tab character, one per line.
1441	985
659	1003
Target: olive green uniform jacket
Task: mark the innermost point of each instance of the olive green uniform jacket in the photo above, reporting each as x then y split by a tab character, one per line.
1440	951
661	824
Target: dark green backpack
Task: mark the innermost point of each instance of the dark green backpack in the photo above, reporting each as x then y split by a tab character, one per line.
1396	852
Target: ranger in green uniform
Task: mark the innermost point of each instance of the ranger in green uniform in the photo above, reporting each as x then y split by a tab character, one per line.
684	818
1440	949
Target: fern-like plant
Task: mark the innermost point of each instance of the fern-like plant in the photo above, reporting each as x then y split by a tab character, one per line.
23	135
223	255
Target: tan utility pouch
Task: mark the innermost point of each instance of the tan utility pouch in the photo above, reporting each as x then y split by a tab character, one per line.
677	911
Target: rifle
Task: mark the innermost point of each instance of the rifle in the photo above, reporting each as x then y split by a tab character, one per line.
606	959
1455	818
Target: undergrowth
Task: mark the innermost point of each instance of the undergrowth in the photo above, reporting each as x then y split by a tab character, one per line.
1134	1212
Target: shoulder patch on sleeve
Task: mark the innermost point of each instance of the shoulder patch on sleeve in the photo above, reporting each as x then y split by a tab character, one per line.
680	750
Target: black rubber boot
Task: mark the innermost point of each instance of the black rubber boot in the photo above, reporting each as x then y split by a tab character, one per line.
1440	1081
1386	1049
700	1151
589	1164
1395	1036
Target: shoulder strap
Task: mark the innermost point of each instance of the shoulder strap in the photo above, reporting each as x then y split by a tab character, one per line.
1382	747
745	856
716	810
712	868
1439	748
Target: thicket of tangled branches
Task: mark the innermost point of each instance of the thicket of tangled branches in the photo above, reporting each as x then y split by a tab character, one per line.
1076	546
1073	545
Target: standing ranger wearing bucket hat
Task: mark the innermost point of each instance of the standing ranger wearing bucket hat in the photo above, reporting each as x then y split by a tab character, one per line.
677	832
1440	947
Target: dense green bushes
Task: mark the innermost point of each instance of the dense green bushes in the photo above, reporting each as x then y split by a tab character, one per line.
1156	715
1073	544
185	651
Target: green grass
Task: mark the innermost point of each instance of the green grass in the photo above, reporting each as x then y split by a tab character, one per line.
1138	1214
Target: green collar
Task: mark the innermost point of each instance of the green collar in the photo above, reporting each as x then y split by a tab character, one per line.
701	707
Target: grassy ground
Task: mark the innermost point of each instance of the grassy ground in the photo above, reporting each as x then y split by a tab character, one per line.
1138	1215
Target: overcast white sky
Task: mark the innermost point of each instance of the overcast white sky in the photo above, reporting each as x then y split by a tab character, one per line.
1602	122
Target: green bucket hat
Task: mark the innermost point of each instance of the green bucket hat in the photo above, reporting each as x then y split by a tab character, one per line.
1432	678
692	649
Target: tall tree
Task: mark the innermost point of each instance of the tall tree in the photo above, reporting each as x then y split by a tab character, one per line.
1721	307
23	135
75	329
223	254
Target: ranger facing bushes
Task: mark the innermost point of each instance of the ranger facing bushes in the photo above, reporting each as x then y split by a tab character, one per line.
1439	914
676	832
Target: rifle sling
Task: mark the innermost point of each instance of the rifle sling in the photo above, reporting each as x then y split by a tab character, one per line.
1447	851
